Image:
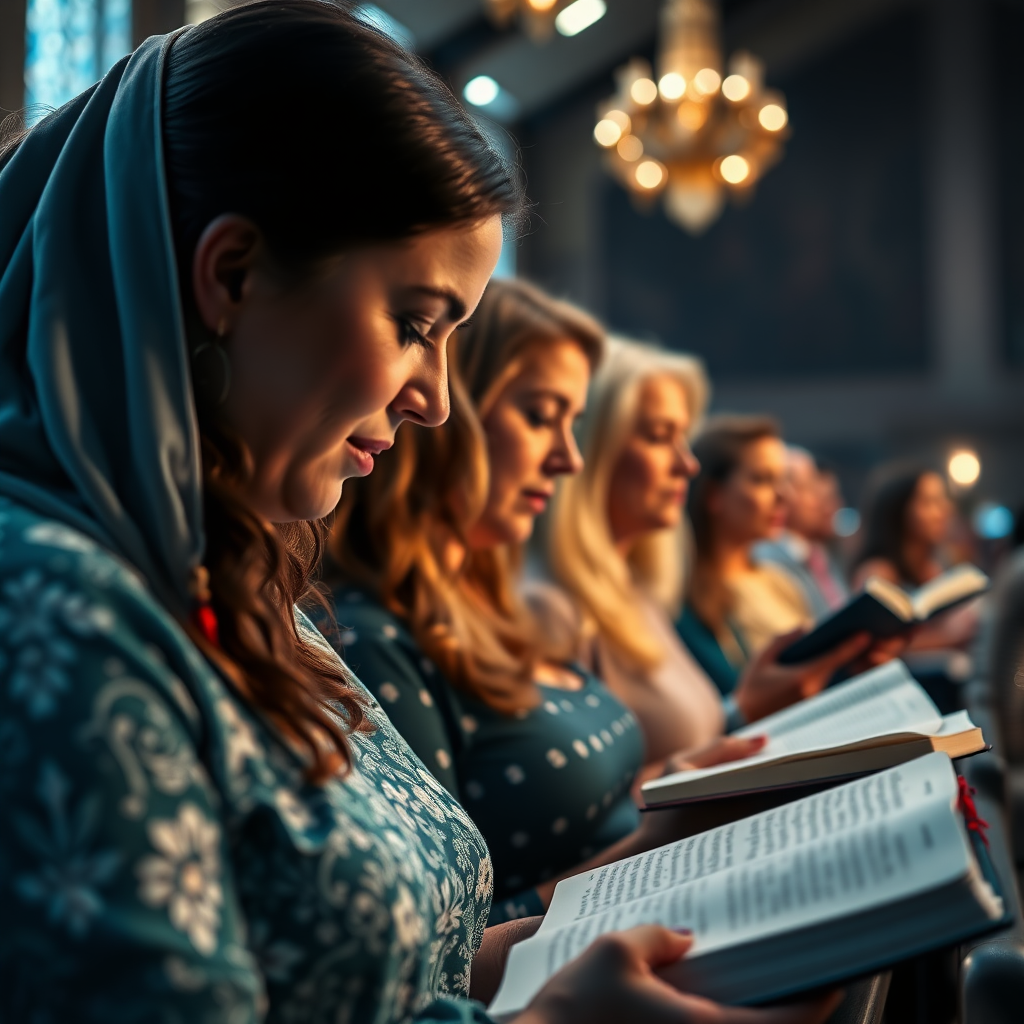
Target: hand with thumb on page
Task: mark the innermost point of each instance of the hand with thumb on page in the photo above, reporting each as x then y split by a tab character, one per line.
766	686
720	751
619	978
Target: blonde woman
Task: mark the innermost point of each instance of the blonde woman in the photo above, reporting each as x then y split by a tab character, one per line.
616	547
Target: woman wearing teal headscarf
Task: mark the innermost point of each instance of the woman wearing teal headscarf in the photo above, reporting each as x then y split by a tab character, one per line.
227	274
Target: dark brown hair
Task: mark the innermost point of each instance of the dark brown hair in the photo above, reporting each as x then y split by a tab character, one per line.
719	449
327	135
394	527
887	496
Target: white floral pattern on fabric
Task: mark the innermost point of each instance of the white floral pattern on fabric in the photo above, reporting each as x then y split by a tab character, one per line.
185	875
165	837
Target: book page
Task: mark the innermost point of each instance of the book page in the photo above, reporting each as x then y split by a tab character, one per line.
866	843
858	804
883	701
950	587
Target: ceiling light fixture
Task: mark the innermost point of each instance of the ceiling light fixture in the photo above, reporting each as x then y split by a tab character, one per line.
708	137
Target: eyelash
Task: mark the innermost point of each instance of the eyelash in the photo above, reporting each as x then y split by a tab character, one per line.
536	419
408	335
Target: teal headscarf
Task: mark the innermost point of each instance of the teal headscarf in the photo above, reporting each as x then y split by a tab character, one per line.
97	418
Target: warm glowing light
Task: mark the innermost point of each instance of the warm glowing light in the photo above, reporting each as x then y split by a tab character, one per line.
630	148
644	92
541	5
672	86
580	15
707	81
621	118
692	116
734	169
649	174
964	467
607	132
773	118
736	88
481	90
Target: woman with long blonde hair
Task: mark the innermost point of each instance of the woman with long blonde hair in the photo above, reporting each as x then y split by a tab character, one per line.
616	546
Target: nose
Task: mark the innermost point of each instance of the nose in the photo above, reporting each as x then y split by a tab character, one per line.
424	398
686	462
564	459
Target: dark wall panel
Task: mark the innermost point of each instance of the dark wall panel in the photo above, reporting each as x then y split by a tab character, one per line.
823	271
1009	120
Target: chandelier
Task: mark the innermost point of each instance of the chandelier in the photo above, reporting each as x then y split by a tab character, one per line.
692	136
540	18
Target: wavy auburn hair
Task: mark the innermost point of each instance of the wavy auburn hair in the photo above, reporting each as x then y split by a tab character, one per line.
327	135
396	529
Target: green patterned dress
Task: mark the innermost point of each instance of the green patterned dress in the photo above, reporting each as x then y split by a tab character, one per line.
161	857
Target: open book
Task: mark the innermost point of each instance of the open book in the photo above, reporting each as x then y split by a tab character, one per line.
879	719
883	609
829	887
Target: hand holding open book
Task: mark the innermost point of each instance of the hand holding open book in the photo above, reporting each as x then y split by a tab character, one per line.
841	883
884	610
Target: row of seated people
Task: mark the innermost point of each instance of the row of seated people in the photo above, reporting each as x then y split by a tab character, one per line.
542	702
205	330
765	541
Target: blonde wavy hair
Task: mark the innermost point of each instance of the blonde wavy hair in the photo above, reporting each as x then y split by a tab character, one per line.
394	531
581	552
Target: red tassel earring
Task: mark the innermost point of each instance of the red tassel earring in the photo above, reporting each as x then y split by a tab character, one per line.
204	618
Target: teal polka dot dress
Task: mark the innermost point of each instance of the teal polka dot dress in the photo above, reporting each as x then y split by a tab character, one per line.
548	787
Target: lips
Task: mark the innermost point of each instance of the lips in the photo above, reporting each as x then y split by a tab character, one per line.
363	449
537	500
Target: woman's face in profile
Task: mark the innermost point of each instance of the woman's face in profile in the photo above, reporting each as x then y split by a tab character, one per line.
649	481
323	372
530	441
929	510
748	506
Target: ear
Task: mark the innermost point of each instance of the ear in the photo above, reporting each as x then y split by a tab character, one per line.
226	254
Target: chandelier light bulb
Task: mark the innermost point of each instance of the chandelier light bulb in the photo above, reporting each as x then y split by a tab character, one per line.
607	132
707	81
672	86
644	92
541	5
736	88
773	118
580	15
630	148
964	467
649	174
734	169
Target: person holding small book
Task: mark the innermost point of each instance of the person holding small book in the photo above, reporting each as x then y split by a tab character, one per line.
906	518
735	607
615	547
542	754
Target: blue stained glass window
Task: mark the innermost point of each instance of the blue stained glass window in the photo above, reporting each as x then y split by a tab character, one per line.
69	45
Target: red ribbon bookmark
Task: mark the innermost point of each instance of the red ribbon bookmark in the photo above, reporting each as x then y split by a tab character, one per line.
973	822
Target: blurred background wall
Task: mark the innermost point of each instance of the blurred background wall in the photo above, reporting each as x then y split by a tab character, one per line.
870	292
